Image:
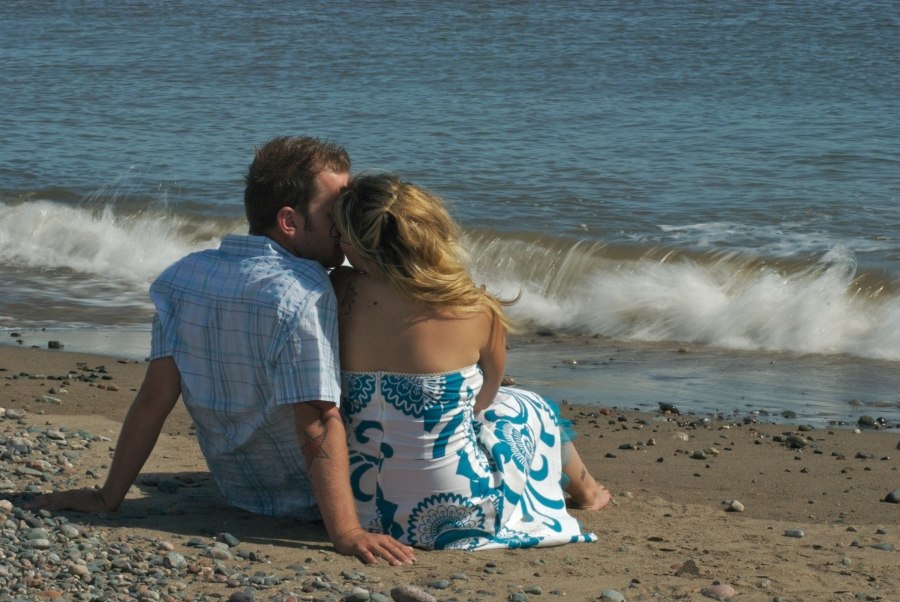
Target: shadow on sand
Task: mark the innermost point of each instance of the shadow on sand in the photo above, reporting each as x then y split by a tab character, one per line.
188	504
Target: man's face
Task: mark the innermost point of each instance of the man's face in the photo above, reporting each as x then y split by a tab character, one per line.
314	240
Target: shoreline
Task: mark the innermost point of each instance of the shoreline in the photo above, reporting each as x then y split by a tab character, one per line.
814	524
760	386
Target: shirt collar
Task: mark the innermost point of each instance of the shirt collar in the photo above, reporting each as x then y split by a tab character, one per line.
242	244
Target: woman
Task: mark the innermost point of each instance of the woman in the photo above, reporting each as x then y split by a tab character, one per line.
441	456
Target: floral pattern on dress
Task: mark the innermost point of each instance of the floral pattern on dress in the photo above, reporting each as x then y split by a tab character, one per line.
427	471
519	441
413	395
445	514
363	387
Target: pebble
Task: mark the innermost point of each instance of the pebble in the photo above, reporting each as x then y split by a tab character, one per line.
411	593
733	506
688	568
174	560
893	497
796	442
867	422
219	551
612	595
794	533
358	594
721	592
228	539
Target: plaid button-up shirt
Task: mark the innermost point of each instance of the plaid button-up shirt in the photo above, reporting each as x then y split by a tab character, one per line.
252	329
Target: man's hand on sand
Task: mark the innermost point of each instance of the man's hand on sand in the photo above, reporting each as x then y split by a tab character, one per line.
369	548
79	500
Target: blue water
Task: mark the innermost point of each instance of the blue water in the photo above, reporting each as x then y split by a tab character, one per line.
721	174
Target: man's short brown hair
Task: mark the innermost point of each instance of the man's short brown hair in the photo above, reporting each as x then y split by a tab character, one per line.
283	174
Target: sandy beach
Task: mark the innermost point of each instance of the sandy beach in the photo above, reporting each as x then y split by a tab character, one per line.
807	520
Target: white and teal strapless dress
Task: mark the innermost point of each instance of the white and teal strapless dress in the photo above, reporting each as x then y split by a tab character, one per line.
428	472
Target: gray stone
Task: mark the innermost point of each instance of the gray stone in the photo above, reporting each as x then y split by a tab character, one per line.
733	506
35	534
219	551
174	560
358	594
37	544
612	595
411	593
19	445
227	538
796	441
893	497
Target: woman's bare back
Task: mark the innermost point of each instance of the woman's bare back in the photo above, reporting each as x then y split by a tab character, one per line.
381	330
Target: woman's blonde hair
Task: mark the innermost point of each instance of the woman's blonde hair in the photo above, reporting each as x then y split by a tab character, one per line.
406	233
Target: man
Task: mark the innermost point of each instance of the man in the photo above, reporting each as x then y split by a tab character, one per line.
247	335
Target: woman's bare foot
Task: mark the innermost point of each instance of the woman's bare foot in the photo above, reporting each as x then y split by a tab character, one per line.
597	497
585	493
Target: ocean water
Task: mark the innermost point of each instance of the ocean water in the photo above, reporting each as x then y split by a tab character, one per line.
722	175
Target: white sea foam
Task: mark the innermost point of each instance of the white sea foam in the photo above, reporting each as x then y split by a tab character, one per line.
726	302
46	235
95	259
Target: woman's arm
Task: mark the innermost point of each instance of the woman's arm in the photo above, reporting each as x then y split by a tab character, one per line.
492	359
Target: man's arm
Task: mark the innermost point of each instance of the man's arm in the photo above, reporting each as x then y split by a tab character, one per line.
140	431
323	441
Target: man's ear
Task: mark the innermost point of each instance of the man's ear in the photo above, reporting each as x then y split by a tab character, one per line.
288	221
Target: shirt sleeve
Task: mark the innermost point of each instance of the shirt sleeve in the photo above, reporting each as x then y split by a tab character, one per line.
162	341
307	367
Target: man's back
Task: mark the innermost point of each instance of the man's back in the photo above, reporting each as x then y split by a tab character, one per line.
252	330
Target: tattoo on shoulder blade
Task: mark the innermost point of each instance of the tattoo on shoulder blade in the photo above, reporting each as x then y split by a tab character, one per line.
348	298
